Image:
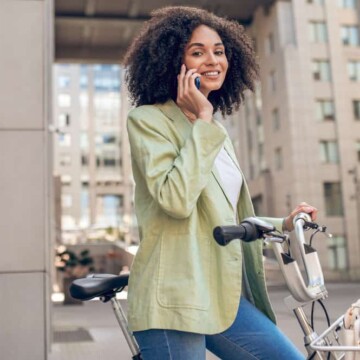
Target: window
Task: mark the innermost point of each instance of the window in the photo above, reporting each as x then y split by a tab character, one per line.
84	81
64	81
63	120
64	100
318	32
357	147
258	205
356	109
269	44
350	35
108	210
351	4
333	199
316	2
66	200
106	78
272	82
337	253
66	180
84	140
354	70
324	110
65	159
321	70
84	160
262	161
278	159
64	140
276	119
329	151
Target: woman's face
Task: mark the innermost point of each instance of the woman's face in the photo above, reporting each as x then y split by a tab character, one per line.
206	53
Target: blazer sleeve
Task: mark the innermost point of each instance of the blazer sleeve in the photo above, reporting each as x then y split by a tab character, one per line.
174	177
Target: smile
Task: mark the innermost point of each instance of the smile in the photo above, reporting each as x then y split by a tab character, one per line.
211	74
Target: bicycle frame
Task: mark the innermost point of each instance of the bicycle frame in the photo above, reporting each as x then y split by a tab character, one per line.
305	291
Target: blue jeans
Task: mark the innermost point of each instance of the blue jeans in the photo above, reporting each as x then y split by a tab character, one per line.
252	336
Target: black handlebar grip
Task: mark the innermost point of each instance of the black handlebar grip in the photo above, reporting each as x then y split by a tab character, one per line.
246	231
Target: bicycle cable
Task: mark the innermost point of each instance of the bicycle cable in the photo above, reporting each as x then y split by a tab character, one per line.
312	321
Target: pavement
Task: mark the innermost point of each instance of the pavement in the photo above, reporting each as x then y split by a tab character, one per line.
90	331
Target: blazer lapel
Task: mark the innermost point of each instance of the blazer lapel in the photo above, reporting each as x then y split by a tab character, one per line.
173	112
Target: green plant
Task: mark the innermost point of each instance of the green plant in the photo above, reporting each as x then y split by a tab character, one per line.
74	265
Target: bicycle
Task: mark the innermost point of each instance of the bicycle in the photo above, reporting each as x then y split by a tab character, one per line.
290	255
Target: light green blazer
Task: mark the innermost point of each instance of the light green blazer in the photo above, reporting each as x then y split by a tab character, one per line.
181	278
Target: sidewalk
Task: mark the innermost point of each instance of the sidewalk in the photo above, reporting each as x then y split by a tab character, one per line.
90	331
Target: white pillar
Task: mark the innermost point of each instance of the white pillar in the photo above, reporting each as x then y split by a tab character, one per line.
25	191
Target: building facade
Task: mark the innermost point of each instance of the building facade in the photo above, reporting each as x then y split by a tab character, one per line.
298	136
91	153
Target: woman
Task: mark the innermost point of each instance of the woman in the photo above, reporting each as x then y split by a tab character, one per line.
184	289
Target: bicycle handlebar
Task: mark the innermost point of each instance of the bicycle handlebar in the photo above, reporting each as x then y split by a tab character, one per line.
248	230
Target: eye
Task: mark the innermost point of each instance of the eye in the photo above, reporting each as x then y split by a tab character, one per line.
197	53
219	52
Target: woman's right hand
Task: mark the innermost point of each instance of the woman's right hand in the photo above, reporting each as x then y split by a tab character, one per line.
189	98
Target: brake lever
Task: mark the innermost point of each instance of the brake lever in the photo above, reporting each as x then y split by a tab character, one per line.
275	237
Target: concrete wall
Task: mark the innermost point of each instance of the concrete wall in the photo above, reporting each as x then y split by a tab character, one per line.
25	189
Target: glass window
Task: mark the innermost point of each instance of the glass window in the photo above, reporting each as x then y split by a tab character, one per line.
85	207
350	35
262	160
66	200
108	210
324	110
316	2
64	81
269	44
84	101
64	140
107	78
84	140
318	32
276	119
357	147
278	159
333	199
66	180
64	100
272	82
336	252
84	159
107	108
258	205
84	80
67	222
356	109
329	151
351	4
321	70
65	160
354	70
64	120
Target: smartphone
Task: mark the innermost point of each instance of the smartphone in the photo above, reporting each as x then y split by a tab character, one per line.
197	82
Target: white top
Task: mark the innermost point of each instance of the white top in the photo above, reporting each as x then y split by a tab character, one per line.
230	175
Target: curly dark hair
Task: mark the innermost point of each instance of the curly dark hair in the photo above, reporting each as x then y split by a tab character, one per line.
154	58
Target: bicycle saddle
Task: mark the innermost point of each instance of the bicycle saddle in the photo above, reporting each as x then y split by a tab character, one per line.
95	285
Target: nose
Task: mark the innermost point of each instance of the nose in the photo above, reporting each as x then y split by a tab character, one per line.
212	59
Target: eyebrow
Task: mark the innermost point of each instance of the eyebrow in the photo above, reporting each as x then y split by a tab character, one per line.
202	45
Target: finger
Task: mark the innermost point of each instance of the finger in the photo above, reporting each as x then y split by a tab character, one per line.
314	214
187	80
181	81
192	82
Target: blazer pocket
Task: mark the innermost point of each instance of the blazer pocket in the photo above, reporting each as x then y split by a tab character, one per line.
184	272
